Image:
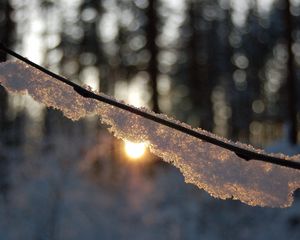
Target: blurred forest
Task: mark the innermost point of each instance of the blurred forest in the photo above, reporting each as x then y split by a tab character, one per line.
221	65
228	66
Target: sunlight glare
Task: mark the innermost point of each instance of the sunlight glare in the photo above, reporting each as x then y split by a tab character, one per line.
135	150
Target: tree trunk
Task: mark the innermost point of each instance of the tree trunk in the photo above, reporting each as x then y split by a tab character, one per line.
5	37
153	49
291	77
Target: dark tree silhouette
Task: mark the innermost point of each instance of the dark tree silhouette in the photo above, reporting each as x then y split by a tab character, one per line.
152	21
6	26
291	77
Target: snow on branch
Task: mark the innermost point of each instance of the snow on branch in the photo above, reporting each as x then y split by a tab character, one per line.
211	162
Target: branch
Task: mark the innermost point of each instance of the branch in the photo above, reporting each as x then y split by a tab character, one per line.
246	154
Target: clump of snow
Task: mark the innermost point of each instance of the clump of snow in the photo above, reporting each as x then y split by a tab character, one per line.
218	171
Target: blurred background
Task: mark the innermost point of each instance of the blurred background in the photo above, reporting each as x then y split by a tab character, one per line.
228	66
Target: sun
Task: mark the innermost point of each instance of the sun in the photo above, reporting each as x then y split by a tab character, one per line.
135	150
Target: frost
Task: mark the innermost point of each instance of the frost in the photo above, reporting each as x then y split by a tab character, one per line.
216	170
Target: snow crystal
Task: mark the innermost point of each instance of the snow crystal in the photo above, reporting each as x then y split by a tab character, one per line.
218	171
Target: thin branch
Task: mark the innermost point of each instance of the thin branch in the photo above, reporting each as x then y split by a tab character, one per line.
243	153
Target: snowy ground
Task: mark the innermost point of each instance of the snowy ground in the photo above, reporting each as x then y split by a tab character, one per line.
72	189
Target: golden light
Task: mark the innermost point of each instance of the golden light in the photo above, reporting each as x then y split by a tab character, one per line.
135	150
